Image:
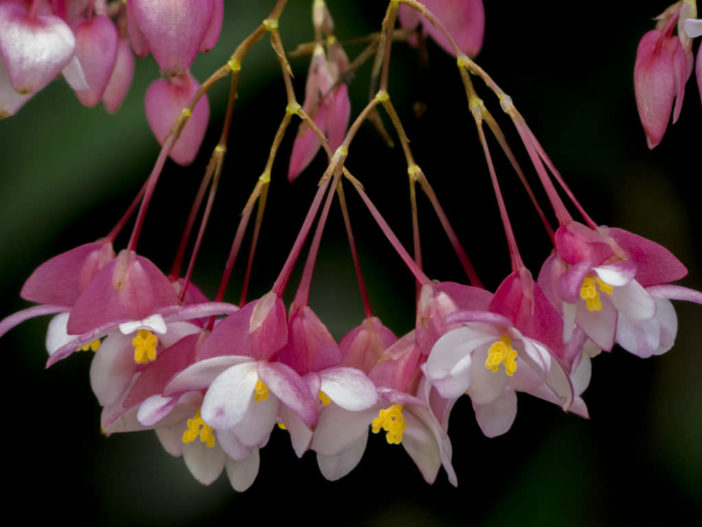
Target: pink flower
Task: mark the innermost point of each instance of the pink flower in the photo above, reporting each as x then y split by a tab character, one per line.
96	50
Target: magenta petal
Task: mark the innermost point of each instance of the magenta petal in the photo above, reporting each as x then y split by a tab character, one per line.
173	29
229	337
362	346
136	37
654	263
675	292
7	323
212	34
128	288
338	117
290	388
96	50
576	243
268	329
654	83
569	284
121	78
34	51
63	278
306	145
164	101
310	346
682	70
464	20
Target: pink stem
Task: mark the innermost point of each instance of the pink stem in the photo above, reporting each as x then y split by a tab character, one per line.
254	243
125	217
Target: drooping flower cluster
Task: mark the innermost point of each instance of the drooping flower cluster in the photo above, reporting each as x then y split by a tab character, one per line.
214	380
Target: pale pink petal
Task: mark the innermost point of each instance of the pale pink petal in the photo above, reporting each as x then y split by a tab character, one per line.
34	51
334	467
675	292
200	375
155	408
633	301
229	396
496	417
121	78
682	68
349	388
139	43
243	473
96	49
171	439
204	463
229	442
569	284
640	337
485	385
616	274
164	101
600	326
421	445
668	320
289	387
7	323
693	28
338	429
10	100
173	29
209	40
256	425
112	368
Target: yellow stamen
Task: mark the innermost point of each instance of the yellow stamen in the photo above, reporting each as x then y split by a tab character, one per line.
324	399
93	346
197	427
261	391
502	352
392	421
144	344
589	292
282	426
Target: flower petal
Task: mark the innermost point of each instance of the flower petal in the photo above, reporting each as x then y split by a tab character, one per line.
349	388
496	418
243	473
229	396
334	467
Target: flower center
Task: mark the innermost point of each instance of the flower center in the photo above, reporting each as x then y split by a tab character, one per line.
392	421
502	352
197	427
144	346
589	292
260	391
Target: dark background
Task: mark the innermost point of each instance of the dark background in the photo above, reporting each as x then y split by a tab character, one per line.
68	173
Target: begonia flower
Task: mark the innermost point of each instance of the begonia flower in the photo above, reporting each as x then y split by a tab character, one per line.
96	50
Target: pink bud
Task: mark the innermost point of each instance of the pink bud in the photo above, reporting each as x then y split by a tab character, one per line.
174	30
96	50
34	50
659	77
164	101
121	78
212	34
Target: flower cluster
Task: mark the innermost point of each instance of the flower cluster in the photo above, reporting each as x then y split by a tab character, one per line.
214	380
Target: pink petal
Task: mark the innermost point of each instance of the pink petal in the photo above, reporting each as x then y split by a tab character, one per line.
63	278
96	50
675	292
362	346
7	323
121	78
682	68
139	43
306	144
34	51
654	83
398	368
338	117
209	40
164	101
154	409
173	30
655	264
130	287
464	20
268	328
569	285
310	346
577	243
232	446
640	337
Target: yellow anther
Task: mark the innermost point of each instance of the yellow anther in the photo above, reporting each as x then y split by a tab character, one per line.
324	399
234	64
93	346
382	96
502	352
261	391
589	292
462	61
293	108
270	25
198	427
144	344
282	426
392	421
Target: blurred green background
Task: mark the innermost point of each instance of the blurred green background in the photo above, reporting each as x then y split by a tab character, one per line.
68	172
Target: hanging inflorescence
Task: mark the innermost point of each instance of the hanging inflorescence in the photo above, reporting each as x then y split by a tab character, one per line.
214	379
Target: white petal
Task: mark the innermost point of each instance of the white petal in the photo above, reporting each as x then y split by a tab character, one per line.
205	463
496	417
300	434
421	446
230	395
258	422
668	320
640	337
171	438
349	388
693	28
154	409
231	445
485	385
337	466
242	474
153	323
57	335
337	429
199	376
600	326
74	76
112	368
